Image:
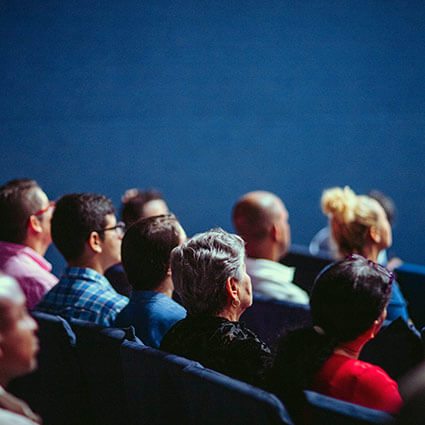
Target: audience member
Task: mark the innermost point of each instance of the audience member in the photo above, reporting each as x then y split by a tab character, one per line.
359	225
145	252
348	306
261	219
18	349
323	244
209	274
25	214
86	233
136	204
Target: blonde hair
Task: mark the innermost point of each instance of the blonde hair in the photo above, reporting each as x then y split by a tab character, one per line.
351	216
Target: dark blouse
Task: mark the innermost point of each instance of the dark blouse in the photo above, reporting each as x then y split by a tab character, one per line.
217	343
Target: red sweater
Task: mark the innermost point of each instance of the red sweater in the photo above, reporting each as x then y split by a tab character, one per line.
357	382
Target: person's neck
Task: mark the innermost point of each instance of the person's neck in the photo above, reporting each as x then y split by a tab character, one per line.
371	252
352	349
89	263
166	287
38	246
263	251
230	313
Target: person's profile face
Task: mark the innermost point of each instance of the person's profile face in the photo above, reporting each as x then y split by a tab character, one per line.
18	342
245	289
385	229
111	244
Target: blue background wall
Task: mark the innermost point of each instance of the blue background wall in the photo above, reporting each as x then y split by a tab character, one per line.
206	100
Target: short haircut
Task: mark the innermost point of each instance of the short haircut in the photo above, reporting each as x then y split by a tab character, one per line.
351	217
19	199
253	218
132	208
77	215
349	295
200	269
146	249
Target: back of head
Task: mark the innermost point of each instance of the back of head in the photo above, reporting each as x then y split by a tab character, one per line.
255	215
146	250
19	199
200	269
75	217
347	298
351	217
135	205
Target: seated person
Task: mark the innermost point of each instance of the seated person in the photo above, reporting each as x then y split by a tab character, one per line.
145	251
18	350
25	214
261	220
209	274
136	204
348	306
86	233
359	225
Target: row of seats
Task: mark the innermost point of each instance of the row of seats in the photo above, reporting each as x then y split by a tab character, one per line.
93	375
411	278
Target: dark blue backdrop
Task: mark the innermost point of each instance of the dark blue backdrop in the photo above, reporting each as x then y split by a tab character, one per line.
206	100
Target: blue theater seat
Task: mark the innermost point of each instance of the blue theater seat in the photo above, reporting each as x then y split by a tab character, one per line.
411	278
307	266
323	410
167	389
56	389
269	318
98	351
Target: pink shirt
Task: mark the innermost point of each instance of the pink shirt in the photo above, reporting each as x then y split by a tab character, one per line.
30	269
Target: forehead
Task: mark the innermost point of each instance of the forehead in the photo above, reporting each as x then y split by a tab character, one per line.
155	207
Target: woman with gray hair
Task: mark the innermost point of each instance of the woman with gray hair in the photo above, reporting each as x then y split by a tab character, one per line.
209	274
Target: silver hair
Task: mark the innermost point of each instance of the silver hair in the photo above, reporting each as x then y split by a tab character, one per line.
200	269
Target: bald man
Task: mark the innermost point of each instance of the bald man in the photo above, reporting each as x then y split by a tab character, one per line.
261	219
18	350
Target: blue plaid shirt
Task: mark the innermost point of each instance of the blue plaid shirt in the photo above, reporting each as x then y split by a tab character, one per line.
83	293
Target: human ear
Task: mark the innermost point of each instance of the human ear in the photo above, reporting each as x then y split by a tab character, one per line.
34	224
95	243
375	234
232	289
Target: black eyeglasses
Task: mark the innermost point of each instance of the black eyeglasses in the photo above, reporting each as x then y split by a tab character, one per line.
119	229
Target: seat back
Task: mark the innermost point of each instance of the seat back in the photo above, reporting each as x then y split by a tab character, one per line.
98	351
411	278
307	266
397	348
323	410
56	389
164	388
269	318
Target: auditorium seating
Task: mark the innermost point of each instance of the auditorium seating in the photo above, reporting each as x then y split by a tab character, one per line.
269	318
56	390
411	278
307	266
323	410
181	391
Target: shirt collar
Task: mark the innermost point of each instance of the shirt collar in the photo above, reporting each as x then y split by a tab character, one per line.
15	249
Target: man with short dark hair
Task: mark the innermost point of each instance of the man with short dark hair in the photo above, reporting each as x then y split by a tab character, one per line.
261	219
18	349
25	214
86	233
146	250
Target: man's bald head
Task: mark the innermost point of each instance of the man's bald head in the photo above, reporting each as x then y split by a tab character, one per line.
259	216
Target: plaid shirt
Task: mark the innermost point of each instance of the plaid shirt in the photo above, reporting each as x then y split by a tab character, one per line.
83	293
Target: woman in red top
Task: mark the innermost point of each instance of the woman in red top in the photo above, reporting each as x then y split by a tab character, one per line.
348	305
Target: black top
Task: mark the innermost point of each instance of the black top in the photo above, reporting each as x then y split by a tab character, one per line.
217	343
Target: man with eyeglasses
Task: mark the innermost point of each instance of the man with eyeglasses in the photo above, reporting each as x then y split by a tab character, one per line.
25	215
86	233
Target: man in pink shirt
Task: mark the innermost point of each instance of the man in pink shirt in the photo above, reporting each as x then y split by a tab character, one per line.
25	214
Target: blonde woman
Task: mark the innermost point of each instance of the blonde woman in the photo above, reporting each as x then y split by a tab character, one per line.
359	225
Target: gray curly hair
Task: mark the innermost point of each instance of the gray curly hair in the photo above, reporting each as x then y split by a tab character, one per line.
200	269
